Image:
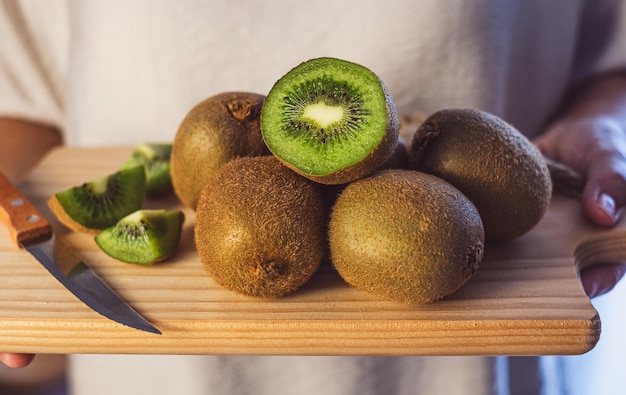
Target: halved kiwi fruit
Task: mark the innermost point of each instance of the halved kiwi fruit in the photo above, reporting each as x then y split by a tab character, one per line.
261	228
155	157
491	162
216	130
406	236
99	204
143	237
330	120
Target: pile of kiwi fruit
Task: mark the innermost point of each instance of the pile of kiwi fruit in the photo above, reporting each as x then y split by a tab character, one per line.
320	171
317	170
111	208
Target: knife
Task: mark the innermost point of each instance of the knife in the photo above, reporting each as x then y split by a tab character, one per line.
31	231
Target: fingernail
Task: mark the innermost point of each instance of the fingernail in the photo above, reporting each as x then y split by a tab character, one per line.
591	289
607	204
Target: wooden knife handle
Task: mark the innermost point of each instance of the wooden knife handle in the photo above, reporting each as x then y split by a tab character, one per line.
25	222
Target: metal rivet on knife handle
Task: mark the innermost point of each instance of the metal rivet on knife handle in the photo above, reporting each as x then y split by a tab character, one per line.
25	223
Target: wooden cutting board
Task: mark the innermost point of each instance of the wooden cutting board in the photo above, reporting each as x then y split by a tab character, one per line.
526	297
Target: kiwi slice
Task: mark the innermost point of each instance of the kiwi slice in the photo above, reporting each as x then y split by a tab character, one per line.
406	236
98	204
330	120
143	237
491	162
155	157
260	227
216	130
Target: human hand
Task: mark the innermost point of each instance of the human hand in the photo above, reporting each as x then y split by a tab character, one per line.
16	360
595	147
22	145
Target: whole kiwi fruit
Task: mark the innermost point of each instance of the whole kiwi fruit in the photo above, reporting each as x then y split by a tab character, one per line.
261	228
330	120
216	130
491	162
405	235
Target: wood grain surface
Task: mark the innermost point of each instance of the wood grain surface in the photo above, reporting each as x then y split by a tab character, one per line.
525	299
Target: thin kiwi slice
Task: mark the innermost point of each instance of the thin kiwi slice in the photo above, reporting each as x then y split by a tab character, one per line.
155	157
99	204
330	120
143	237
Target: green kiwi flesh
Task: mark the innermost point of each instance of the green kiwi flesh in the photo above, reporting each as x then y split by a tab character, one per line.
216	130
100	203
143	237
330	120
491	162
406	236
261	228
155	157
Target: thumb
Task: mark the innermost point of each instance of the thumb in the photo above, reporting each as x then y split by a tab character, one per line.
16	360
603	200
604	194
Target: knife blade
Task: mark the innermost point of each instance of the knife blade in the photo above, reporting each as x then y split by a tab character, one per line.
30	230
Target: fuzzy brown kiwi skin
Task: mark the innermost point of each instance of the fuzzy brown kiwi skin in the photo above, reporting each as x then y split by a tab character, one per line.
405	236
261	228
492	163
375	160
216	130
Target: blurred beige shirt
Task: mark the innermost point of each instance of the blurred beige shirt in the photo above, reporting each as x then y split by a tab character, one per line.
120	71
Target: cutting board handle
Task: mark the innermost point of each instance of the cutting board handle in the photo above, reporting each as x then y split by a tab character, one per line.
605	247
25	223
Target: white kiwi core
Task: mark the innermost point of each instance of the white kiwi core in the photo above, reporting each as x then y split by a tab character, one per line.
100	185
323	114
